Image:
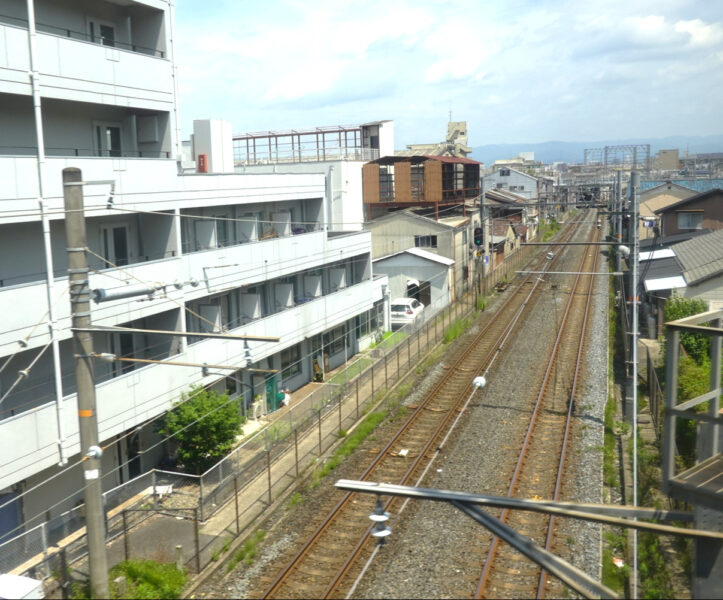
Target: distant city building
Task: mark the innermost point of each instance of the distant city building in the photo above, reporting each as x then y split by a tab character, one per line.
455	144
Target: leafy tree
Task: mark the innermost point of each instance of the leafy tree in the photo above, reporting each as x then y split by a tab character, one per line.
696	345
205	425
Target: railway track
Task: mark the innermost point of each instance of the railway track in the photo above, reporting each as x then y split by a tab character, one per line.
540	465
329	561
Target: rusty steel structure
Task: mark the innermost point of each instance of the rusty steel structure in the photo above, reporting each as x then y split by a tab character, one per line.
338	142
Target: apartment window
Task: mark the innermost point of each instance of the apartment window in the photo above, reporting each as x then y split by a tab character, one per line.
690	220
504	172
425	241
334	341
290	361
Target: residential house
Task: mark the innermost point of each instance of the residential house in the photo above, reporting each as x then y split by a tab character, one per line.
449	237
697	212
245	254
692	269
512	180
420	274
657	198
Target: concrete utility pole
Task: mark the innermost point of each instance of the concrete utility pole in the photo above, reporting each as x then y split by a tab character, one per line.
486	241
84	380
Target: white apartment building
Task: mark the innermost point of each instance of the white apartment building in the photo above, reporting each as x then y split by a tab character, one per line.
91	84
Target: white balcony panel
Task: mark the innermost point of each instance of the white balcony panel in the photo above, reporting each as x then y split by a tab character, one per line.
86	72
27	441
14	61
142	184
216	270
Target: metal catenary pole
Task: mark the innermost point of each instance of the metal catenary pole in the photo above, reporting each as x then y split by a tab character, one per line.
84	378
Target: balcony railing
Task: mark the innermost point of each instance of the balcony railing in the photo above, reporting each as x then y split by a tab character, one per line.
82	152
81	36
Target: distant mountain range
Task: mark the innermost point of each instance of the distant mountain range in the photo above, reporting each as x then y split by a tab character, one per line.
574	152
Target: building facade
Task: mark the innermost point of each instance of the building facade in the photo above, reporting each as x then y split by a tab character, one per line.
92	85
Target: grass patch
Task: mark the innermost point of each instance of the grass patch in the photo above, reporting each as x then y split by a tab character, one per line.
296	498
614	577
247	552
222	550
144	579
367	426
610	474
548	230
456	329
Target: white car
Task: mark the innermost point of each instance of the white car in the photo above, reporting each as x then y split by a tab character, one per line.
405	310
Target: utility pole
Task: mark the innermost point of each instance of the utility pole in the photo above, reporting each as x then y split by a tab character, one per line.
618	218
634	199
84	380
486	240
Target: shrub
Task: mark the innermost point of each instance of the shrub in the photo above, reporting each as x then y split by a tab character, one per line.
205	425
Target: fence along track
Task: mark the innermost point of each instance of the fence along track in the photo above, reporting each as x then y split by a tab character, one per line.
507	572
326	561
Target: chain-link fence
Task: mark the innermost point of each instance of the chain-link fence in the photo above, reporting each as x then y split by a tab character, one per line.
200	512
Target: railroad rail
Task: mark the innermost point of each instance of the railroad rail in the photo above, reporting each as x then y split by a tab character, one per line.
544	449
329	560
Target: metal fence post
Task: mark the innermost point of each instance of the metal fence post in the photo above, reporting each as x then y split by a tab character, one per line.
196	540
386	372
44	536
200	495
235	499
153	484
64	578
296	447
319	419
126	545
340	399
372	371
268	472
409	354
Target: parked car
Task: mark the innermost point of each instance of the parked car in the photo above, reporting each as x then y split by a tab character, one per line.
405	310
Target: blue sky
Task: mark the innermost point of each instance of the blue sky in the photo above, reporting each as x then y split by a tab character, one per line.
523	71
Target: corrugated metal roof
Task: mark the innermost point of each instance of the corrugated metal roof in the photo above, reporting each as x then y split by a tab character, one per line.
701	257
666	283
430	256
655	254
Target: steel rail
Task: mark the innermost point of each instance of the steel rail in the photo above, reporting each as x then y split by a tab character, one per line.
484	577
304	551
542	582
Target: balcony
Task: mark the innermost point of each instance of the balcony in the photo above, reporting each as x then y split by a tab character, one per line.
134	397
72	68
216	270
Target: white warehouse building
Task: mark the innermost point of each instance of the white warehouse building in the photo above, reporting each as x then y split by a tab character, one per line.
92	85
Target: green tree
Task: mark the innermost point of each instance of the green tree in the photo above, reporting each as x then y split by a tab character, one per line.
696	345
205	425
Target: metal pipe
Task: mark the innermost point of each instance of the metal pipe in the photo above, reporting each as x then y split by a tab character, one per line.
47	246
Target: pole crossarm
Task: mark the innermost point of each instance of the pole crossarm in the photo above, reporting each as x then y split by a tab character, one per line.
225	336
603	513
174	363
